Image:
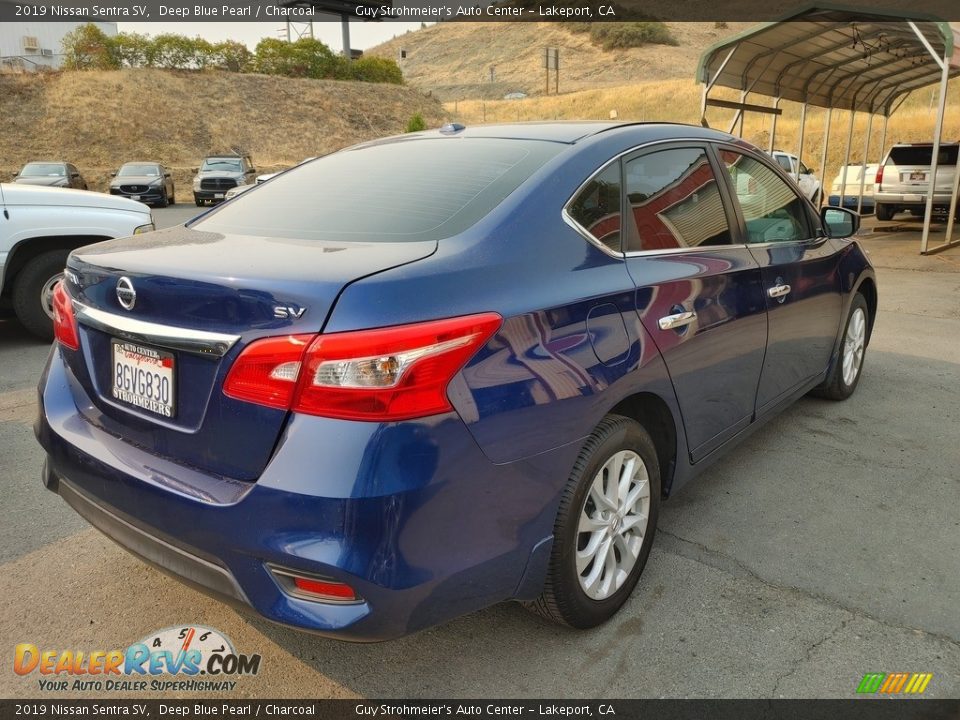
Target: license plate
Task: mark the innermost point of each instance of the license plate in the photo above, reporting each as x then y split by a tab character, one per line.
918	176
134	197
143	377
218	196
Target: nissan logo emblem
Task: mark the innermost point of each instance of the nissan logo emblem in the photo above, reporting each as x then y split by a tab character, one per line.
126	294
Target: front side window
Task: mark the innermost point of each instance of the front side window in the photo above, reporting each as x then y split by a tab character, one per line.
772	211
673	201
597	207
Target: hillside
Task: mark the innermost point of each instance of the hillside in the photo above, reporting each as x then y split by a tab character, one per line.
453	60
100	119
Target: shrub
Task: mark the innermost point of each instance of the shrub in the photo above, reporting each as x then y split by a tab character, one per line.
88	48
171	51
631	34
376	69
232	56
307	57
416	123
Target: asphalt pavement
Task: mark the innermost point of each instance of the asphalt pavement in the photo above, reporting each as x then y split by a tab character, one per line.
824	547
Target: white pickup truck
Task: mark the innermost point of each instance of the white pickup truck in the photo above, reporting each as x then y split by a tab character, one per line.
39	226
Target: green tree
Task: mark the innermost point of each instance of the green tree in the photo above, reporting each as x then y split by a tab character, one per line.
307	57
232	56
131	49
89	48
174	52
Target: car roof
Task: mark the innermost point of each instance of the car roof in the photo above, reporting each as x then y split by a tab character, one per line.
567	132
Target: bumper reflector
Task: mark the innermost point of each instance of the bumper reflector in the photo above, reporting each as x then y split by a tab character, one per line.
318	589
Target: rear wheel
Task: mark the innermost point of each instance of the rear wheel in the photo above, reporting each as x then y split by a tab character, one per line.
33	292
884	212
605	526
846	371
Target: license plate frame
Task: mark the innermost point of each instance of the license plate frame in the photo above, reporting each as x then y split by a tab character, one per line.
218	196
134	197
918	177
137	374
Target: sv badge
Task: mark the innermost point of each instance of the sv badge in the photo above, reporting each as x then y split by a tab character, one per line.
288	312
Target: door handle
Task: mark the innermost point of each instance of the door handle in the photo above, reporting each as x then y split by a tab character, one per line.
672	322
779	291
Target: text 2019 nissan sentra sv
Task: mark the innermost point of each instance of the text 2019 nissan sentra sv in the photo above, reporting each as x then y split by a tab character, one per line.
427	374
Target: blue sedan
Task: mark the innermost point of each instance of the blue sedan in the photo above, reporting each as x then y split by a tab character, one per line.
430	373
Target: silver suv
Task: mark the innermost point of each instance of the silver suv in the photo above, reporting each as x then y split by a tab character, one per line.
219	173
903	179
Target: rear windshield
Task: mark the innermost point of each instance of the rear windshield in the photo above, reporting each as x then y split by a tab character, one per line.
43	170
922	155
423	189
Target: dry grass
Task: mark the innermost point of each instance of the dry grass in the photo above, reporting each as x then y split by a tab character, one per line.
453	60
98	120
679	101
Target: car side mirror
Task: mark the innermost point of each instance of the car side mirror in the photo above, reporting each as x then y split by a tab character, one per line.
166	175
194	170
811	171
839	222
74	175
113	174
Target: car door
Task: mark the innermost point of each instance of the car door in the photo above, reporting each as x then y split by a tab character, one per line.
800	273
698	294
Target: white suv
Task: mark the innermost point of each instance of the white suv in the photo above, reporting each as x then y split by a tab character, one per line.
903	179
809	183
39	226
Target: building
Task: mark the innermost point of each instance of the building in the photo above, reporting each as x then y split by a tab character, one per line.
36	45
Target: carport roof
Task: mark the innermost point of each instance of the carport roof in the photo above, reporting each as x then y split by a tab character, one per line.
834	57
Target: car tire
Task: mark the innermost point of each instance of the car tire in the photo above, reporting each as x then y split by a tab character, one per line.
577	592
198	201
31	289
173	199
884	212
163	201
846	372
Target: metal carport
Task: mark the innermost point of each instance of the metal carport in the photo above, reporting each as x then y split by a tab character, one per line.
843	58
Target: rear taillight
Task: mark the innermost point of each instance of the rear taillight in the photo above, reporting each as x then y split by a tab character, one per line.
392	373
879	179
64	321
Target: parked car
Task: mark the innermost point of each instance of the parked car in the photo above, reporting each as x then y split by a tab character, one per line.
903	179
233	192
467	371
851	193
52	174
219	173
809	183
148	182
39	226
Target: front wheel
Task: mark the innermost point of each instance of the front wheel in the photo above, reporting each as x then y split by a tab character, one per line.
33	292
605	526
845	376
198	201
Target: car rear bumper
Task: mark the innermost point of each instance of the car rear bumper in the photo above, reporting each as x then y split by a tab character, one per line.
904	199
411	515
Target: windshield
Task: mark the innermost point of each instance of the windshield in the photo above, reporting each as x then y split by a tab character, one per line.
139	170
228	164
43	170
409	190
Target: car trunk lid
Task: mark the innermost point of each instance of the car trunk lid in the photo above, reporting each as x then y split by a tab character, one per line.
162	317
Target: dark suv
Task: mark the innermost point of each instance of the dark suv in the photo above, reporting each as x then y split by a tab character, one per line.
219	173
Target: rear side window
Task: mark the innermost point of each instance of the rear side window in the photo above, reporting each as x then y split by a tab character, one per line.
407	190
922	155
596	208
673	201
